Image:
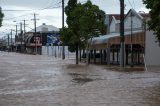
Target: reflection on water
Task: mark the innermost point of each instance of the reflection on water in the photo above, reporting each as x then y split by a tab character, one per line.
43	81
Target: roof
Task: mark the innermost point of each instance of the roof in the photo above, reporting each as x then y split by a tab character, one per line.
133	13
117	17
46	28
115	20
102	39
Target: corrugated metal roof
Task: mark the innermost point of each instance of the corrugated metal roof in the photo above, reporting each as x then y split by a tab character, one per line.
46	28
103	39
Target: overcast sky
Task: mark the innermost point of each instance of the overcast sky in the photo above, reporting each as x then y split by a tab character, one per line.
53	15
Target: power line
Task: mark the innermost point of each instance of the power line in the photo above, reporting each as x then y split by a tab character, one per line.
134	4
130	3
52	6
56	5
18	16
48	7
5	10
30	13
3	2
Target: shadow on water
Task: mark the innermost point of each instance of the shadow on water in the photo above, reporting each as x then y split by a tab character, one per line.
75	66
127	69
80	79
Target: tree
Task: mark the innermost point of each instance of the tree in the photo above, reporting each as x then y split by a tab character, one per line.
154	23
84	22
1	17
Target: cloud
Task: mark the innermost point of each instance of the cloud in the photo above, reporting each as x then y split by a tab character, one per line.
54	16
29	3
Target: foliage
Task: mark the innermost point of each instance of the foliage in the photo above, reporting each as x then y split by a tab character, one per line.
84	22
1	17
154	23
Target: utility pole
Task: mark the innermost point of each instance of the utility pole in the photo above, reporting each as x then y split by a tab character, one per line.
8	43
21	34
63	48
16	39
35	32
122	62
16	29
24	24
16	35
131	40
11	40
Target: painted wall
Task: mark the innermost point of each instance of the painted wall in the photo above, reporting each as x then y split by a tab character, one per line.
113	26
56	51
152	51
107	22
137	23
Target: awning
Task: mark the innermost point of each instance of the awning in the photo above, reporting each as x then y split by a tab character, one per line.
104	39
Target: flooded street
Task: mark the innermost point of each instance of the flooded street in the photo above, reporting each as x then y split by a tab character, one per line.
35	80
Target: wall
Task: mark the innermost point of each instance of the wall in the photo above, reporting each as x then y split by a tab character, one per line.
137	23
56	51
113	26
152	51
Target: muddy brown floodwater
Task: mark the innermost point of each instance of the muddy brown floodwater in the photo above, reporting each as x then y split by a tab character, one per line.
34	80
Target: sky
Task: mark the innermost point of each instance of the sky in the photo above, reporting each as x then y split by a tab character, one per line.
49	11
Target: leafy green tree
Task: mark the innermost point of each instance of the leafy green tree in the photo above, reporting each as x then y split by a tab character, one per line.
1	17
154	23
84	22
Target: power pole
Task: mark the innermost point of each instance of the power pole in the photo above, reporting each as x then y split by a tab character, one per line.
131	40
16	29
63	48
11	40
16	39
8	43
35	31
122	62
21	34
24	24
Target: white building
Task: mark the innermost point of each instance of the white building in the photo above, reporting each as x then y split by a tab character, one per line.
108	46
146	48
152	50
114	25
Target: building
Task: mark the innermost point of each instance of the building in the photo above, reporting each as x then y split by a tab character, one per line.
106	48
114	25
7	43
152	50
34	42
109	19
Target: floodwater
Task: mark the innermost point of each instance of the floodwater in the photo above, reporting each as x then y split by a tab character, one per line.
35	80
